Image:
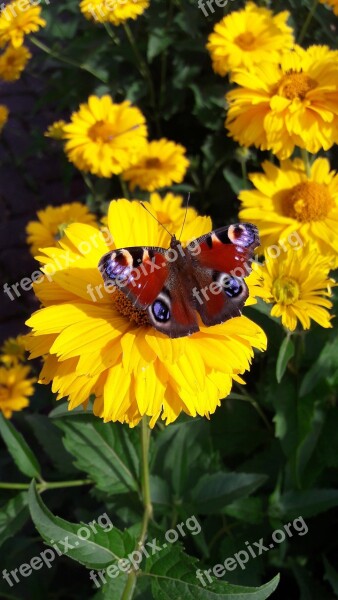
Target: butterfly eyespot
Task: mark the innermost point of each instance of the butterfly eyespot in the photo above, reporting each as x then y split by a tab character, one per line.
232	286
160	311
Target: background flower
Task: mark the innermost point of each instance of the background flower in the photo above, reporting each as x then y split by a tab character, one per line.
13	61
297	283
15	389
287	104
18	19
105	138
162	163
286	200
248	37
4	112
52	222
113	11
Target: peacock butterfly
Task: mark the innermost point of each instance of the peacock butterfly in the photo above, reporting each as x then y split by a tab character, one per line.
176	284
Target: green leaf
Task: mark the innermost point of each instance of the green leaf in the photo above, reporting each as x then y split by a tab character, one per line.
158	41
13	515
173	576
215	491
286	352
100	548
236	183
106	451
331	575
21	453
326	362
306	503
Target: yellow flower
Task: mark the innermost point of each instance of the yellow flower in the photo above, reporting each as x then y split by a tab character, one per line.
248	37
286	201
4	112
162	163
297	284
52	222
15	387
56	130
13	62
105	138
332	3
12	351
95	345
113	11
18	19
293	103
170	213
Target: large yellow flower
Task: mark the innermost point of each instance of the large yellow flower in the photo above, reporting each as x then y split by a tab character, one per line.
18	19
287	104
297	284
90	347
13	62
105	138
248	37
332	3
51	224
113	11
4	112
286	200
162	163
15	388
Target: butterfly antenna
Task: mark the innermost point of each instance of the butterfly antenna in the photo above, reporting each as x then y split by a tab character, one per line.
185	216
156	219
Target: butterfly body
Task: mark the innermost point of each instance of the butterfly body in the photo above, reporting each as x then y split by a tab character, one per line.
179	287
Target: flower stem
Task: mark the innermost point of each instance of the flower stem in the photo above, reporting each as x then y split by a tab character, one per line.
145	72
128	591
124	188
307	21
111	33
65	60
46	485
305	157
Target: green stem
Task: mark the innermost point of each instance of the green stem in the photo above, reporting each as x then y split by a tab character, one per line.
52	485
254	403
65	60
111	33
308	21
128	591
124	188
145	72
305	158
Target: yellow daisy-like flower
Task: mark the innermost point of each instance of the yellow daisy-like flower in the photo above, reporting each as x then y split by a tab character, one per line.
287	104
15	388
18	19
56	130
52	222
105	138
332	3
4	112
161	164
13	61
286	201
297	283
170	213
95	344
113	11
13	351
248	37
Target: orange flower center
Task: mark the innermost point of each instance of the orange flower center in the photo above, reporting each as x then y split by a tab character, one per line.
153	163
128	310
246	40
308	201
285	290
4	393
102	132
295	85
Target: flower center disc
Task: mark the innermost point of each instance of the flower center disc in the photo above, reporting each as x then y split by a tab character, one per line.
153	163
295	85
102	132
246	40
307	201
285	290
128	310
